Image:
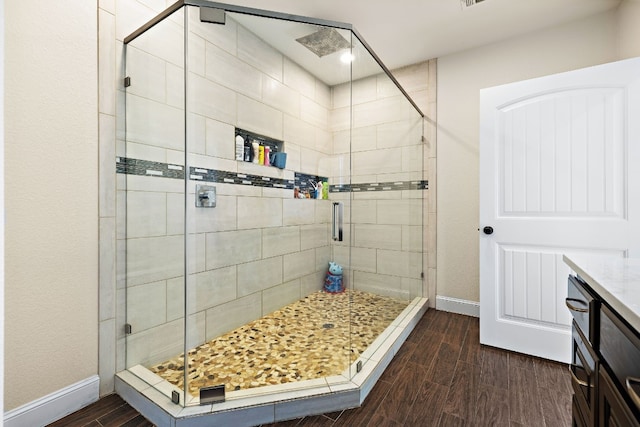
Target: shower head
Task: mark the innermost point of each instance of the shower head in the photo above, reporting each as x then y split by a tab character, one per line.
324	42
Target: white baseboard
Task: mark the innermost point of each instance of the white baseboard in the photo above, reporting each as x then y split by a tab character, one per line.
460	306
56	405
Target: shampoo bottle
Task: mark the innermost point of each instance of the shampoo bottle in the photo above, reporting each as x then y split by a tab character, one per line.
267	150
239	148
256	152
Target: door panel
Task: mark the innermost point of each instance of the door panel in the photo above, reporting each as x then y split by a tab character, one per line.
557	163
563	156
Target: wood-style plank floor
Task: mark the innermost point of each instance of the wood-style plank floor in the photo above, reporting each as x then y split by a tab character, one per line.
441	376
109	411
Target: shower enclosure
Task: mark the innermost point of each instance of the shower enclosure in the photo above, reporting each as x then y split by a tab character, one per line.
260	147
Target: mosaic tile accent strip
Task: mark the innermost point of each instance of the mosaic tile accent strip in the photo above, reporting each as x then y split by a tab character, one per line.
224	177
380	186
310	338
129	166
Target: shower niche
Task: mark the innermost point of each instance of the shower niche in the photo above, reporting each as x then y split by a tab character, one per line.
227	316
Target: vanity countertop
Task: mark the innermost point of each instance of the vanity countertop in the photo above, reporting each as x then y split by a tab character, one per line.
615	280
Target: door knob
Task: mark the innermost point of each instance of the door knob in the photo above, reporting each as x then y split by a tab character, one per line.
488	230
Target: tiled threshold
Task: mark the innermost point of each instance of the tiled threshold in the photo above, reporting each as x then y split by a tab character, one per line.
149	394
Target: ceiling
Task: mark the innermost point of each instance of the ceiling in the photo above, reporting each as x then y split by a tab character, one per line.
425	29
283	35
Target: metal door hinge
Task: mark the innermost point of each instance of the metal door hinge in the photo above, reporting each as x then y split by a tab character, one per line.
213	394
127	81
422	275
127	329
212	15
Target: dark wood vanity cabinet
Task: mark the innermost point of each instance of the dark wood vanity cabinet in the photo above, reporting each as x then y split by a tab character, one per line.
619	401
605	365
583	305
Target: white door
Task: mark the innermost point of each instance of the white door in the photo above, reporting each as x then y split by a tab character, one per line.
559	174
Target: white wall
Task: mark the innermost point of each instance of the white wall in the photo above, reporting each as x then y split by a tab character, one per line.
51	231
2	203
460	77
628	29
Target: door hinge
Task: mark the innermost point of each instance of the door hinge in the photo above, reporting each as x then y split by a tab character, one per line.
213	394
422	275
127	328
127	81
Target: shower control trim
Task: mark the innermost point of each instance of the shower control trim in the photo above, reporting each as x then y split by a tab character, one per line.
205	196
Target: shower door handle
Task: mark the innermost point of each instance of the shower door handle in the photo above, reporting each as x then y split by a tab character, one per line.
337	221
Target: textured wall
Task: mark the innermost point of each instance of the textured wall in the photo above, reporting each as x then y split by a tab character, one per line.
628	29
51	271
460	77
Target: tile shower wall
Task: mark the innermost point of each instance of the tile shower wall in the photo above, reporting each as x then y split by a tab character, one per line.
238	271
419	80
386	226
117	18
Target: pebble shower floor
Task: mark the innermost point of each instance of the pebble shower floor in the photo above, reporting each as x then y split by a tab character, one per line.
305	340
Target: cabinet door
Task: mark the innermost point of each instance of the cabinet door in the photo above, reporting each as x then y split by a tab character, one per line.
614	412
577	419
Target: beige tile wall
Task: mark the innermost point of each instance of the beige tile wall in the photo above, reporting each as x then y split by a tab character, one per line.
387	146
293	248
258	243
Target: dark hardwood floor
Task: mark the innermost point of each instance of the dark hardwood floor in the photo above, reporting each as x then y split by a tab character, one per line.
109	411
441	376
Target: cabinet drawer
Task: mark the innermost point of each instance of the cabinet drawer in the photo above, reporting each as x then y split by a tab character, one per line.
583	369
620	348
582	305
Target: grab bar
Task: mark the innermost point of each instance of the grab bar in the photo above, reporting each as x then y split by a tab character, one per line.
337	221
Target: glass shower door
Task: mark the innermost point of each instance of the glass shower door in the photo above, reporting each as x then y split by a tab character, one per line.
257	316
270	204
386	215
151	203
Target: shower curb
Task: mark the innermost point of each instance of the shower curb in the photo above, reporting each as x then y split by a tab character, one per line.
281	406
